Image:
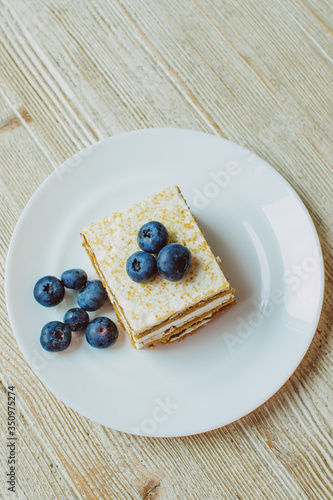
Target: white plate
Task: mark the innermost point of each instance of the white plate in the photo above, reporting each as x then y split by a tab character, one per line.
253	220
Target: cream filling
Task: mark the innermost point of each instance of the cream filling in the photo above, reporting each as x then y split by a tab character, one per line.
191	328
161	332
129	328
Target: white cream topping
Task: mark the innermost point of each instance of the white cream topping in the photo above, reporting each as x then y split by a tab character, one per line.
172	325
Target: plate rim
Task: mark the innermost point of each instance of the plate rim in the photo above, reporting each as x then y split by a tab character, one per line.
114	138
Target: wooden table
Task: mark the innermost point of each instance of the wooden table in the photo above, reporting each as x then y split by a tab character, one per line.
258	72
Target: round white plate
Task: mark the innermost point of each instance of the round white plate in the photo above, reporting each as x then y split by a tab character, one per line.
252	219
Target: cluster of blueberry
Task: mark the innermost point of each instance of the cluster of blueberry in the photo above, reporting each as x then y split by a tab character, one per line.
173	261
56	336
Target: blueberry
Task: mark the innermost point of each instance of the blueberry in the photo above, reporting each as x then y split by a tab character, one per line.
55	336
49	291
92	295
174	262
152	237
74	278
101	332
141	267
77	319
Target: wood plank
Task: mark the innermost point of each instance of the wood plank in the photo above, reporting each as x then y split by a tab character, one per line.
258	73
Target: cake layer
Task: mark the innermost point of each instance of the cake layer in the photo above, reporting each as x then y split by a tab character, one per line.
191	327
177	317
182	319
175	327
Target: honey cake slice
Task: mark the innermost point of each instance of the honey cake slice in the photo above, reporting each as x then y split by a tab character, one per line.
160	310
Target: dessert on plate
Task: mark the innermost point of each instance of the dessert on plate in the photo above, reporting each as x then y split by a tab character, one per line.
159	310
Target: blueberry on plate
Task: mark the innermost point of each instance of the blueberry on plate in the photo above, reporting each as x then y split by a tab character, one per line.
141	267
174	262
77	319
55	336
74	278
92	295
152	237
101	332
49	291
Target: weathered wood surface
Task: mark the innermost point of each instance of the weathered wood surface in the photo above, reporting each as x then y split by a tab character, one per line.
258	72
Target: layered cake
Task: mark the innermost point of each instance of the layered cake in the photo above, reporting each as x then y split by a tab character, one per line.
158	310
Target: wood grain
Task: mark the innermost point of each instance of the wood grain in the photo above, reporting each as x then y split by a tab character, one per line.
257	72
